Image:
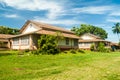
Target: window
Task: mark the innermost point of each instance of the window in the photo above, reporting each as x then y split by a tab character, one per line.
75	42
67	41
30	25
25	40
16	41
87	44
80	44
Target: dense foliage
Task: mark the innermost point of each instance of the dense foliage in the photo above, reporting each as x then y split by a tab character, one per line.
100	47
48	44
90	29
116	29
7	30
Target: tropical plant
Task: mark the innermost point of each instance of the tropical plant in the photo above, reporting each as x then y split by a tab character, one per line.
116	29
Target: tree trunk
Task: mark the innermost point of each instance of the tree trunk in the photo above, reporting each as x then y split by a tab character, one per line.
118	37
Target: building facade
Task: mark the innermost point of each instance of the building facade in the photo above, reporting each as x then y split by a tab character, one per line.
31	32
86	40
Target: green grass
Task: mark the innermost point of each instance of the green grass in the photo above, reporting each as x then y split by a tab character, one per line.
89	66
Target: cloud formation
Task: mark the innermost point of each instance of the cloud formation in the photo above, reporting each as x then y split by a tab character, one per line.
53	8
93	9
112	19
11	15
66	22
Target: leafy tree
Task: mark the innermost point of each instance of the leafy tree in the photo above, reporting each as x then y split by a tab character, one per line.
116	29
84	28
7	30
48	44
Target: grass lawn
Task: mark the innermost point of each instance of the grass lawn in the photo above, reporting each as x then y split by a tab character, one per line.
88	66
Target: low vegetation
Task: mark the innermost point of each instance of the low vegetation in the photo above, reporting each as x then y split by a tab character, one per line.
69	65
100	48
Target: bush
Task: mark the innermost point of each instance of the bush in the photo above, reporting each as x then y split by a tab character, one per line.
26	50
107	50
101	48
65	52
72	51
81	51
92	47
36	52
48	45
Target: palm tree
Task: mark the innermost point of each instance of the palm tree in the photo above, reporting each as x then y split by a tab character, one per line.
116	29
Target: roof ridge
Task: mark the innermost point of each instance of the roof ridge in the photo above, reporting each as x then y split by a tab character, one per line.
49	26
93	35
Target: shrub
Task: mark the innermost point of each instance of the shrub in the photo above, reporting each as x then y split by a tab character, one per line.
72	51
92	47
36	52
107	50
26	50
48	44
101	47
65	52
81	51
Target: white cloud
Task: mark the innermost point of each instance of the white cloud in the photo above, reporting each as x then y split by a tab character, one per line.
115	13
93	9
54	8
112	19
11	15
66	22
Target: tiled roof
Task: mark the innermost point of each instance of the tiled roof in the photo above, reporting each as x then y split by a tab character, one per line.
44	25
3	40
50	32
97	37
54	33
4	36
93	40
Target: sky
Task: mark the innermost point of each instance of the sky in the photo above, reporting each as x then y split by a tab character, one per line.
62	13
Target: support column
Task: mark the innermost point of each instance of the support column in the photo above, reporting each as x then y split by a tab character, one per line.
30	42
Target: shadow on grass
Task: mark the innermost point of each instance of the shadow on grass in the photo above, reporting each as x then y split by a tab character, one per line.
5	54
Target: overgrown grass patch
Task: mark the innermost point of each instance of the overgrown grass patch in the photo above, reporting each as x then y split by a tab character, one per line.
88	66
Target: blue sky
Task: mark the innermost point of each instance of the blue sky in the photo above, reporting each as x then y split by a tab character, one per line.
62	13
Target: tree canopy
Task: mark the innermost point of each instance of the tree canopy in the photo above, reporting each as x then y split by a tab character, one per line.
84	28
8	30
116	29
